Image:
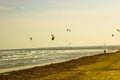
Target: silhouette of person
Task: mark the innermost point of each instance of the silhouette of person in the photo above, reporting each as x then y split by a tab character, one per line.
104	51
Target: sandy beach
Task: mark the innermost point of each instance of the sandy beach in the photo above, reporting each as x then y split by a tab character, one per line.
97	67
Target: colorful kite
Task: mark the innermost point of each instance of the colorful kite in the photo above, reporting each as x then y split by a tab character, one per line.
53	37
118	30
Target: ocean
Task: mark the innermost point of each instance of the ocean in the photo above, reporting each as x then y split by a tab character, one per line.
10	59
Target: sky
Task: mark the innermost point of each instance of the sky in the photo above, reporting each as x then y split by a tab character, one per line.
92	22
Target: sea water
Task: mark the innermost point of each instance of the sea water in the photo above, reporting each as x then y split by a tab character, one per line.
17	58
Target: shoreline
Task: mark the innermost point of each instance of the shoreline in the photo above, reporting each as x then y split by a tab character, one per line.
7	70
58	69
39	65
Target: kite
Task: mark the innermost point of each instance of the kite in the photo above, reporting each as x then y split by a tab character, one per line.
112	35
30	38
118	30
68	30
69	43
53	37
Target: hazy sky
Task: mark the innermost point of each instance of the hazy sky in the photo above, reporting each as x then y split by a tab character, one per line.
92	22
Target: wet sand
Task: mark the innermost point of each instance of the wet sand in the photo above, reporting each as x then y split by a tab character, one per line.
97	67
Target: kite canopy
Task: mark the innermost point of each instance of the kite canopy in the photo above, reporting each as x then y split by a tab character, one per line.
30	38
118	30
68	30
69	43
112	35
53	37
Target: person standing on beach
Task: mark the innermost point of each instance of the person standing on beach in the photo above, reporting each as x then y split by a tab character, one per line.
104	51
